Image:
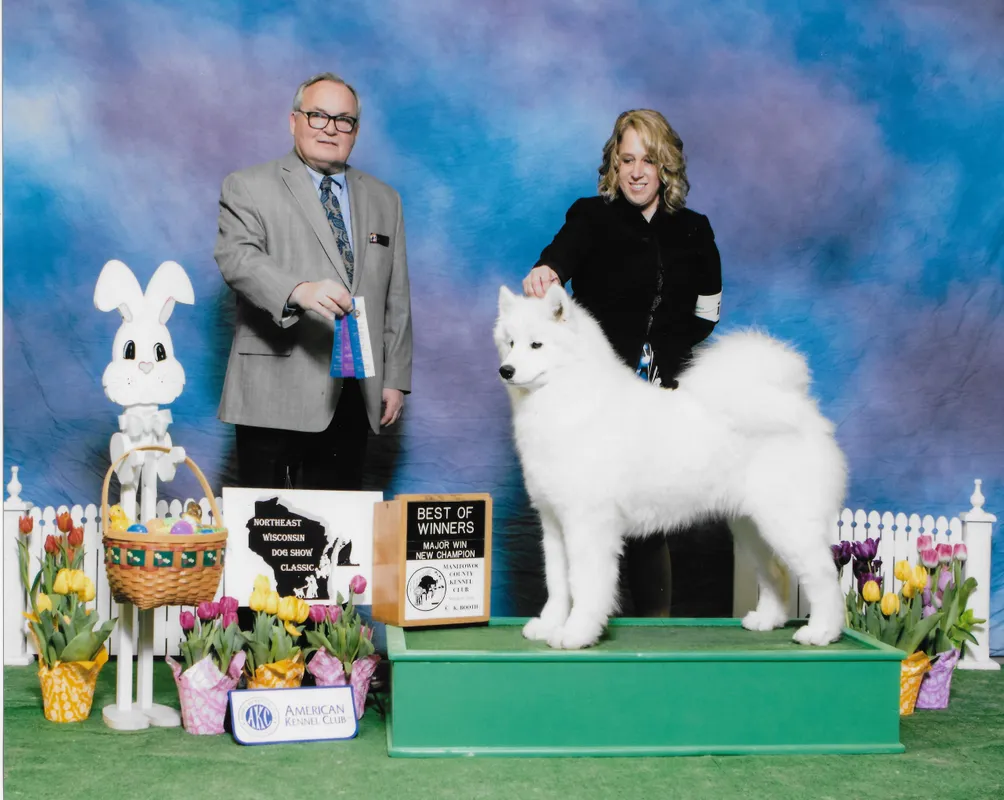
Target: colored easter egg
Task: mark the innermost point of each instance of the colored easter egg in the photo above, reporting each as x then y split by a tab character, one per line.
182	527
137	528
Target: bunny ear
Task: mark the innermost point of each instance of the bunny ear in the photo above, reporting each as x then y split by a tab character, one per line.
169	285
118	288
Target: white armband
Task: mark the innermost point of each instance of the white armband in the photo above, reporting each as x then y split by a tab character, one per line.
709	306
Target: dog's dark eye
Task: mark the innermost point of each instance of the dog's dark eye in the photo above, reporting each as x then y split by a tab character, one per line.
535	345
511	344
160	352
129	352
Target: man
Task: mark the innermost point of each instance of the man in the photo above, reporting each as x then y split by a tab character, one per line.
299	238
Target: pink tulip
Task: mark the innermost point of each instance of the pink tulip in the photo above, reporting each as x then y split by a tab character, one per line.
929	558
357	585
208	611
925	542
228	617
944	580
928	611
318	614
960	552
187	620
334	613
228	605
945	553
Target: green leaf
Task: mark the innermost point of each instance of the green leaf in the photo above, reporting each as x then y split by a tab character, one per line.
81	647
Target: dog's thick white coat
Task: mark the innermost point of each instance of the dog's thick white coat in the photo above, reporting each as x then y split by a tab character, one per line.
606	455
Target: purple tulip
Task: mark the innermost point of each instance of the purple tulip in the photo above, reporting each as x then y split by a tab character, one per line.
928	611
960	552
228	605
334	613
228	617
945	580
944	553
841	554
208	611
877	565
926	597
929	558
187	620
357	585
318	614
867	549
925	542
938	600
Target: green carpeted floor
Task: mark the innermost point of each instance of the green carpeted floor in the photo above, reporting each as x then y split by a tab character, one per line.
958	753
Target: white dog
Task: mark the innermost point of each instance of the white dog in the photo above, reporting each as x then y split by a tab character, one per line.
606	455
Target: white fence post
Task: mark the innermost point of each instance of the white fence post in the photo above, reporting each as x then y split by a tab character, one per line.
977	530
15	640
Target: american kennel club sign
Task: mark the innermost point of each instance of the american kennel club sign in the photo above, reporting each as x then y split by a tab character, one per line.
432	559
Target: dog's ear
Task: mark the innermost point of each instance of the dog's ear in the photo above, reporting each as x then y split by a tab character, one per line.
557	300
506	298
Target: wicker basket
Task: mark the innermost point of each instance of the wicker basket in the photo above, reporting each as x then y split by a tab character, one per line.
151	570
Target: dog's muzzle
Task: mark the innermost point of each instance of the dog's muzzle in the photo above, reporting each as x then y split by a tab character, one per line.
507	372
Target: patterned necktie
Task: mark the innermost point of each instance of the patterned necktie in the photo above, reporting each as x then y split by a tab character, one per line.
334	211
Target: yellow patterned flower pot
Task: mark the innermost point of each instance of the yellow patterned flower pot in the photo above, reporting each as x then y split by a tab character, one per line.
911	673
285	674
68	688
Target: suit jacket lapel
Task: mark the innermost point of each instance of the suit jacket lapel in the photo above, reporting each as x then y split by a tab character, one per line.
302	188
359	201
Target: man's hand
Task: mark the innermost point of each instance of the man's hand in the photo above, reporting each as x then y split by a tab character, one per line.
328	298
539	280
393	404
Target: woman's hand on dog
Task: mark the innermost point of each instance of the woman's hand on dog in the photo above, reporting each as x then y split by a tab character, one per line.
539	281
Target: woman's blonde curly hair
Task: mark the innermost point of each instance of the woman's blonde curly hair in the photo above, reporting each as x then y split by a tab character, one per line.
665	148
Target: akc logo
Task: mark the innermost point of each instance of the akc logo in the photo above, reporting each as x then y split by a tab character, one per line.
259	715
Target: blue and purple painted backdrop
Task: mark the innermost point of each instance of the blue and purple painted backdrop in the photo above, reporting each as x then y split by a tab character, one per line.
849	157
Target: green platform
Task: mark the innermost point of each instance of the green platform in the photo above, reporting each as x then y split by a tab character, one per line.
652	687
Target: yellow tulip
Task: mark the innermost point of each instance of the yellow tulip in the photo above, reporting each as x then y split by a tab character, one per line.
920	578
258	600
88	593
890	604
78	581
903	570
62	583
272	603
294	632
43	603
302	610
262	584
287	609
871	592
909	590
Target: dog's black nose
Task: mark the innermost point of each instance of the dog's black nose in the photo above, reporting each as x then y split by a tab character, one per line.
506	371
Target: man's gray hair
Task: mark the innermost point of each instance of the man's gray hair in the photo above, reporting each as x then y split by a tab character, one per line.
325	76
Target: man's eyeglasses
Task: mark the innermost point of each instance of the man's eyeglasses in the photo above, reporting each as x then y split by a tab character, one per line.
318	120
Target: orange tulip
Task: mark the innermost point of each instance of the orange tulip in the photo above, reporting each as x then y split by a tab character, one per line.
25	525
63	522
76	537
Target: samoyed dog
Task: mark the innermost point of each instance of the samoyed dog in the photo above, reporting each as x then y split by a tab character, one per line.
606	455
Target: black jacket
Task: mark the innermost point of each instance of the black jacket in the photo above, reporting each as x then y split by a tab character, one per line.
614	258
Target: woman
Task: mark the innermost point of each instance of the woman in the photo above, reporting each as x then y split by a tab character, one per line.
648	270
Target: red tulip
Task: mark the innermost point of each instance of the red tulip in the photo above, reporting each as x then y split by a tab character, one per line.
187	620
25	525
63	522
208	611
357	585
51	545
228	605
76	537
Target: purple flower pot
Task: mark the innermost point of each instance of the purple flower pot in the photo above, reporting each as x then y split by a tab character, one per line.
328	671
203	689
937	683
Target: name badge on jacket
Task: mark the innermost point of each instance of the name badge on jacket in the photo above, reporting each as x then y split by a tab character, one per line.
379	238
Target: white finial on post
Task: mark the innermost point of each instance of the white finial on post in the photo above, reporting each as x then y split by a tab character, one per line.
977	498
13	489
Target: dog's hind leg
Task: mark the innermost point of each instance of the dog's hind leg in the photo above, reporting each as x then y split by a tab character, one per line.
801	544
593	553
770	612
555	612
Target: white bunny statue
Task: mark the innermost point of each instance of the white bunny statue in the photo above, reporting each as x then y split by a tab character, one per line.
142	376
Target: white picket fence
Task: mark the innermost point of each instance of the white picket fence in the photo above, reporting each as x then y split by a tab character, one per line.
898	534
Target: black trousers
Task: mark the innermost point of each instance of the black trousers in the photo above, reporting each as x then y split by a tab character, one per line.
273	458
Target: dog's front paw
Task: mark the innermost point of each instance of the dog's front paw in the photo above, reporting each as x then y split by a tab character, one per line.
538	630
762	621
576	634
818	635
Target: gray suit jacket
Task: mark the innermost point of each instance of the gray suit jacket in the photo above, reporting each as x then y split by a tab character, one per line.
273	234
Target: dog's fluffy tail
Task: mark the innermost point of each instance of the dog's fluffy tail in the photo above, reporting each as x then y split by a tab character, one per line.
762	384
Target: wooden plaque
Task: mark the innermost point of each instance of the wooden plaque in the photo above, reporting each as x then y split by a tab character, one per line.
432	558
